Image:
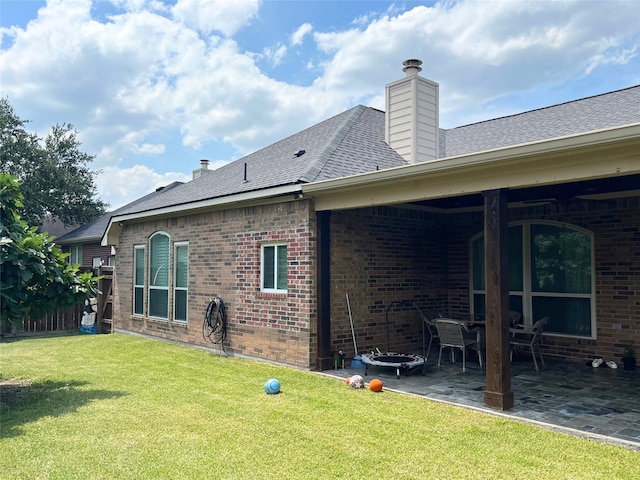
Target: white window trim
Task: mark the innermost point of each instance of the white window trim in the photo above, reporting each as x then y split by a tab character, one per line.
275	268
526	292
136	249
175	287
75	250
155	287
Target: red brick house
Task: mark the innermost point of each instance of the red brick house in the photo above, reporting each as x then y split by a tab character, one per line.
537	212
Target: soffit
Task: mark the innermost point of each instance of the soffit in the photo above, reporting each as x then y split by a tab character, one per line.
569	160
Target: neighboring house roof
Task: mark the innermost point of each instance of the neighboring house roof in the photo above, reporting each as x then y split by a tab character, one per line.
55	227
93	231
352	143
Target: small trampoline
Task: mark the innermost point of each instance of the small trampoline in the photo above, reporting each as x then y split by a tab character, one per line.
399	361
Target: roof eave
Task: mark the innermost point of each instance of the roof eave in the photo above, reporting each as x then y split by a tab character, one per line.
549	161
116	223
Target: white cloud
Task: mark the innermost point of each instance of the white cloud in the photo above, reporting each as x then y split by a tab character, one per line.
119	186
216	15
480	51
298	36
145	74
274	55
619	56
150	149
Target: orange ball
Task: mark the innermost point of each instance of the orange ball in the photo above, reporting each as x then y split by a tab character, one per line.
375	385
347	380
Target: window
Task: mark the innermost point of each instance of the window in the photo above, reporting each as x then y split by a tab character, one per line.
180	281
274	268
138	280
75	257
159	275
550	274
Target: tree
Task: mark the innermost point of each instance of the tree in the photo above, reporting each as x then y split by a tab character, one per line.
36	278
55	179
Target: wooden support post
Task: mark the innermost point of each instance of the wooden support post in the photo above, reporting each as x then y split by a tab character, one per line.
498	393
323	345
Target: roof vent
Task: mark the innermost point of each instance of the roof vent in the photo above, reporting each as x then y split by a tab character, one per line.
299	153
412	67
204	168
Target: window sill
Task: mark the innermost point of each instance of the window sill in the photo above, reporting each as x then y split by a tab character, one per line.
272	295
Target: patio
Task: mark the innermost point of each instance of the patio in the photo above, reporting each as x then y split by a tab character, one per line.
598	403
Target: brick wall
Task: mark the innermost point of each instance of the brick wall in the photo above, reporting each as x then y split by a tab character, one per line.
381	255
224	260
378	256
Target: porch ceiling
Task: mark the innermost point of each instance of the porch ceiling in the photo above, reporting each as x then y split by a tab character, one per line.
595	164
599	189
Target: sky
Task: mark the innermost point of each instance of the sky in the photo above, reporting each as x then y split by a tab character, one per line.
153	86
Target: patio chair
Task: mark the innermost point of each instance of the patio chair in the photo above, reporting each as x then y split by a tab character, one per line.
429	318
529	337
515	319
453	334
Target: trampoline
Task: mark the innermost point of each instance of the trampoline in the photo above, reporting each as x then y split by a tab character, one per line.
399	361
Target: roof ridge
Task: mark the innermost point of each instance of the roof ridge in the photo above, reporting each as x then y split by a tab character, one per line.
315	167
546	107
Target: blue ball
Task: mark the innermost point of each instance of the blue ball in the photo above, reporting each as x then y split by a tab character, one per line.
272	386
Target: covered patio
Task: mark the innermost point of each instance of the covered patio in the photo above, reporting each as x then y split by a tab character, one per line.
480	235
602	404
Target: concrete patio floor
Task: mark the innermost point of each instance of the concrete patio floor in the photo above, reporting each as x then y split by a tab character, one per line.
602	404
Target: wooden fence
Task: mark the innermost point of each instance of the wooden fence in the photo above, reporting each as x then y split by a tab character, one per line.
67	320
58	322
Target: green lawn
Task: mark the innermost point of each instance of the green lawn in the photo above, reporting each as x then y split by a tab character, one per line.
119	406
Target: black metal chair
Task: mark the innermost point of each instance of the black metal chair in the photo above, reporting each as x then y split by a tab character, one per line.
529	337
429	318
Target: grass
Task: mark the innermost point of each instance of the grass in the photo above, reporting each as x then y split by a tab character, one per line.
119	406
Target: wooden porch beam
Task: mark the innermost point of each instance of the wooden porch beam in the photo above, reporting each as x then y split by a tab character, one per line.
498	393
323	329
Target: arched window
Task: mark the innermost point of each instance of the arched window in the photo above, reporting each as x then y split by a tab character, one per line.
159	275
550	274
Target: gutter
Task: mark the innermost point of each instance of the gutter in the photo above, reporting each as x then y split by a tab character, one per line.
511	154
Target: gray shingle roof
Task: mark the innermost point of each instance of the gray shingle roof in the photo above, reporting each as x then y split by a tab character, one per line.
94	230
352	142
349	143
613	109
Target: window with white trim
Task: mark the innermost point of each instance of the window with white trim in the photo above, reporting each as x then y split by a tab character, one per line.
550	274
273	276
75	257
180	280
159	275
138	279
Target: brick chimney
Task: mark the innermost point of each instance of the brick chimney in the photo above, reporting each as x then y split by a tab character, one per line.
204	168
411	122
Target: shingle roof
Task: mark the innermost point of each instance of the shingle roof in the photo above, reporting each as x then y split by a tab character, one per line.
352	142
94	230
614	109
349	143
